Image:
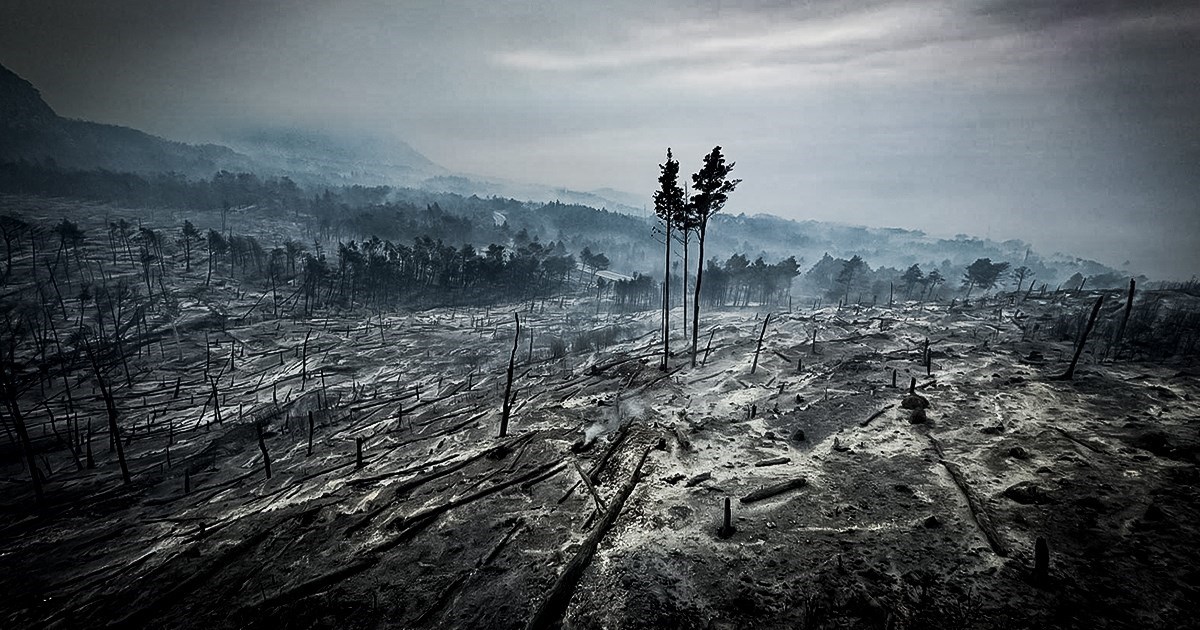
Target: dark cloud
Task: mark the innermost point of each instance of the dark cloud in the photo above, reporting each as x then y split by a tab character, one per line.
1042	13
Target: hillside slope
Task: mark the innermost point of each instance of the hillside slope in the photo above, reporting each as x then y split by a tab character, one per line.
31	130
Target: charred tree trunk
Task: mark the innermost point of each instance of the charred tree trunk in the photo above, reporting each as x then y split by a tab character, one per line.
709	346
304	361
727	529
89	461
262	446
1125	315
110	405
758	349
550	612
696	297
506	406
666	306
684	291
311	429
1041	560
1091	323
216	398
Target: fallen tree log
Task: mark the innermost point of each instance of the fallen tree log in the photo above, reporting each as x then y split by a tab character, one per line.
777	489
598	467
974	502
875	415
311	587
144	614
450	593
550	612
1084	443
414	523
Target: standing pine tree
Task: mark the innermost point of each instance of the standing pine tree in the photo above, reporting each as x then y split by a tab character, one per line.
932	282
912	277
712	186
668	204
850	270
983	273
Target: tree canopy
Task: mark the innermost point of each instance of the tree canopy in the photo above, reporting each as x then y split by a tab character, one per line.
983	273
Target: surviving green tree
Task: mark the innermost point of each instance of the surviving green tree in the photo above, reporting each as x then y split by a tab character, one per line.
712	186
912	277
983	273
851	270
932	282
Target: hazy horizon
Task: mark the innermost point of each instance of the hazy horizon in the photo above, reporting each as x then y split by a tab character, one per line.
1070	126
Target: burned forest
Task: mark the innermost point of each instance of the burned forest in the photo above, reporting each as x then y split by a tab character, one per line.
901	332
239	430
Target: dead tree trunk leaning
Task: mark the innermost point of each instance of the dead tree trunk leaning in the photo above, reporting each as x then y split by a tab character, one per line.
110	405
1124	317
1091	323
506	407
549	614
760	340
709	346
1030	291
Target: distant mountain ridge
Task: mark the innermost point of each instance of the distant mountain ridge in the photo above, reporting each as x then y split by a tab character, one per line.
21	104
31	130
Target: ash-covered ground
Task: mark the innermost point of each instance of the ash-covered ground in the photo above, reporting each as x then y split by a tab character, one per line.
603	505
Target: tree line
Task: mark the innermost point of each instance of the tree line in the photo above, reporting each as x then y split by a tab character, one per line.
849	280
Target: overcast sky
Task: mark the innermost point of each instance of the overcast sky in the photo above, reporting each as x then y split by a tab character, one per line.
1071	124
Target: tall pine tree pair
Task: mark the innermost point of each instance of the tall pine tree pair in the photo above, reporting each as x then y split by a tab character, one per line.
688	216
